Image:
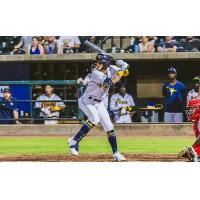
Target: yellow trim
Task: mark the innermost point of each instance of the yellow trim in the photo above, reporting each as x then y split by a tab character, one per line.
120	73
90	124
126	73
129	108
56	108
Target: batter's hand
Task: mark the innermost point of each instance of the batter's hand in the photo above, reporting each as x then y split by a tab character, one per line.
122	64
79	81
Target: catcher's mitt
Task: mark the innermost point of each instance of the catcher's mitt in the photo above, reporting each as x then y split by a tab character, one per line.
188	153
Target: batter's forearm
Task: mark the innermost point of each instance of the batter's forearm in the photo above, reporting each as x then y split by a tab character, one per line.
116	78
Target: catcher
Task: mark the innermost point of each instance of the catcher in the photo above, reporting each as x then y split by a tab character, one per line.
122	104
192	153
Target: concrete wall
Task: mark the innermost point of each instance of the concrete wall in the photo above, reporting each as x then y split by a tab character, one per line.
81	57
123	130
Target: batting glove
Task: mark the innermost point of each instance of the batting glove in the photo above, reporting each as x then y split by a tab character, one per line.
79	81
123	65
123	111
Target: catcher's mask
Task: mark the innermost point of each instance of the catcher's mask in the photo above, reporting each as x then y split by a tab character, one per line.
193	109
104	59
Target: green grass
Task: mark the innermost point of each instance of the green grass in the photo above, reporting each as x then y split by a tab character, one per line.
57	145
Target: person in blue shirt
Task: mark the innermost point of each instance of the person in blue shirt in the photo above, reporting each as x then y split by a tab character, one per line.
173	90
8	108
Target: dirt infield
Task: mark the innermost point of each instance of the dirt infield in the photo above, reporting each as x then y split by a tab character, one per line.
93	158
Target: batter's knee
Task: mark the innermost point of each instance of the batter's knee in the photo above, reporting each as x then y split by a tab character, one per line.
108	126
95	120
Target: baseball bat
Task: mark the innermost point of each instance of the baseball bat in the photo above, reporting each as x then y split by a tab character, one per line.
93	47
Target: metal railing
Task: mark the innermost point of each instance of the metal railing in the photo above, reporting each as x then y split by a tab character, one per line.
31	118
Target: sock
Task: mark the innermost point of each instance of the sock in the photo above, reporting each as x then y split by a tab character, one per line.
112	140
83	131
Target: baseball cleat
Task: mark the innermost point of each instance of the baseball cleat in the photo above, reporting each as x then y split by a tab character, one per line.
73	146
119	157
191	152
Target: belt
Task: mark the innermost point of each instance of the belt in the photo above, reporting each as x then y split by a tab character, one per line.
97	100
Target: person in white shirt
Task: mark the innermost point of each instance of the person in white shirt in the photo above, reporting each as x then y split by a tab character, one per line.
195	92
69	43
51	107
122	104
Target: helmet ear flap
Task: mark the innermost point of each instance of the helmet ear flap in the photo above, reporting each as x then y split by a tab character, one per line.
193	109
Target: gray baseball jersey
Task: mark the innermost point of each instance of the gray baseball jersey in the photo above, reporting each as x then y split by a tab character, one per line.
117	102
49	104
87	80
94	88
94	79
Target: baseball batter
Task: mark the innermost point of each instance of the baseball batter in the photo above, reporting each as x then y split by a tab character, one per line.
91	103
111	71
121	104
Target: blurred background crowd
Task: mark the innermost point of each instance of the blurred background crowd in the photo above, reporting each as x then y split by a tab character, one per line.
111	44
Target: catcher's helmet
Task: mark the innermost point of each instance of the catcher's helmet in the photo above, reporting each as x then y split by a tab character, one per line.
104	59
193	109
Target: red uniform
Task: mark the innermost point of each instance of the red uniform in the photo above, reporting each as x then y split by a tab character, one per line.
194	104
196	132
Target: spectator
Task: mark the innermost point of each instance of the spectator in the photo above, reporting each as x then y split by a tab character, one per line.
8	109
190	44
121	104
173	90
49	109
23	45
52	46
169	45
146	45
70	43
41	40
195	92
36	48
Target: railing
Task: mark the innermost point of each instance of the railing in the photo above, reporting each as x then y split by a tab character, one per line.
30	84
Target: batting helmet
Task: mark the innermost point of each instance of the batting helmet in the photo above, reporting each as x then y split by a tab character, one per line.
104	59
193	109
